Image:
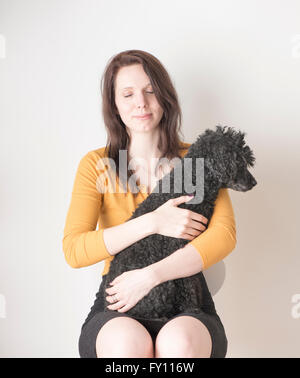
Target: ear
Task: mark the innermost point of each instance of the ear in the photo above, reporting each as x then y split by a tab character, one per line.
215	170
249	156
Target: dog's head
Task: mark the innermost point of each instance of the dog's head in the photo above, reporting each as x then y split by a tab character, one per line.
228	158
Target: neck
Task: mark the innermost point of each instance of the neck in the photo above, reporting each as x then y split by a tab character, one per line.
144	145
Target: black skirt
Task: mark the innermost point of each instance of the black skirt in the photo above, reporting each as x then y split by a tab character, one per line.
98	317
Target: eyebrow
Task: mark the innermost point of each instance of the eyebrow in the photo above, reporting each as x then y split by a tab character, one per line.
132	87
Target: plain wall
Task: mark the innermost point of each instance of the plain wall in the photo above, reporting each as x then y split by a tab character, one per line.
232	62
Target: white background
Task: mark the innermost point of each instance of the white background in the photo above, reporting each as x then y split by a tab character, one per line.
232	62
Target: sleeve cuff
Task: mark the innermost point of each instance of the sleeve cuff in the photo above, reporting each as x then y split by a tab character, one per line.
201	252
102	246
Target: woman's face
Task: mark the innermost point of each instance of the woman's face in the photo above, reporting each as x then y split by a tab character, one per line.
134	97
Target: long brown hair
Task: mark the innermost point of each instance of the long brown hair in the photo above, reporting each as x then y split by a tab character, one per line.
170	125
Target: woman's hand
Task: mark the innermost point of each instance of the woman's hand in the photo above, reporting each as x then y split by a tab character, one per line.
129	288
177	222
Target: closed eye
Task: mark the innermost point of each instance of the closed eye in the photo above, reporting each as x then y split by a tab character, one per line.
146	92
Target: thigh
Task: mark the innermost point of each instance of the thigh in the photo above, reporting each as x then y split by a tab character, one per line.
94	329
183	336
213	324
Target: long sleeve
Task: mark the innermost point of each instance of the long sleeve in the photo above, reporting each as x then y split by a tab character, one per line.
82	244
219	239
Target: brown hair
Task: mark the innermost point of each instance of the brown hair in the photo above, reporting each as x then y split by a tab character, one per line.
170	125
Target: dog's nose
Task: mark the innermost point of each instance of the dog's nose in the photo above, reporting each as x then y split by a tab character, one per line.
254	182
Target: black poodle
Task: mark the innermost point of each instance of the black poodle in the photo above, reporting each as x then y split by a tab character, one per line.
223	163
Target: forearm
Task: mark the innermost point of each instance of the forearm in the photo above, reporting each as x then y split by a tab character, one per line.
184	262
119	237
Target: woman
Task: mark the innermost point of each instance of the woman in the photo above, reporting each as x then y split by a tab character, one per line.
142	116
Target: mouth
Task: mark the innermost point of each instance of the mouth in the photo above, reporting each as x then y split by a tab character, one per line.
242	188
145	116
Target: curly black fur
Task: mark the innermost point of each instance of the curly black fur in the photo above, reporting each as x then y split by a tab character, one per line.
226	158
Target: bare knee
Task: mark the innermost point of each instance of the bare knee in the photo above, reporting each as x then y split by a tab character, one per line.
184	336
124	337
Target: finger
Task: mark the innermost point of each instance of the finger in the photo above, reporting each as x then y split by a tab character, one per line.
177	201
197	225
187	236
111	290
110	299
198	217
116	305
192	232
125	308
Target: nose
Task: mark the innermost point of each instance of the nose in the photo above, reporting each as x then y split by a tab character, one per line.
141	101
253	181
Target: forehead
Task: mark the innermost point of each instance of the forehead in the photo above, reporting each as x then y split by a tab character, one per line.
132	77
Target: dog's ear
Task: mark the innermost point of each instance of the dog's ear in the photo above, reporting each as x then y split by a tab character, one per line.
221	169
249	156
237	137
213	171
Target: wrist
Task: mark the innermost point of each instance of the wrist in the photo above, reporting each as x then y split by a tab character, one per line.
150	223
153	275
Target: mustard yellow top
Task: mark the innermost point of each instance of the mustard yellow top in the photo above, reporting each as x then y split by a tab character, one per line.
83	244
